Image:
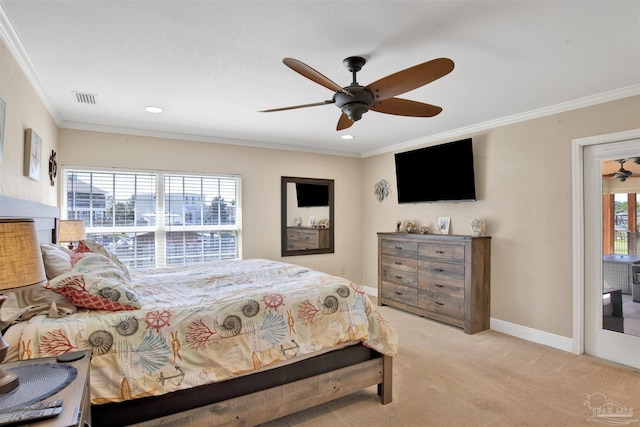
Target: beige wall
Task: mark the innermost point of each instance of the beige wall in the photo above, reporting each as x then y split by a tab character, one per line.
523	185
523	180
24	110
260	169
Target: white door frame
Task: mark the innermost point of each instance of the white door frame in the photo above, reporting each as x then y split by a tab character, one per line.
577	202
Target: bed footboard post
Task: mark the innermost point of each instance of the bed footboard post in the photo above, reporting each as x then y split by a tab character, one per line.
385	389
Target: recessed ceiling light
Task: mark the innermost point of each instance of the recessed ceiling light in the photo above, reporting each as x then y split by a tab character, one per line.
347	137
152	109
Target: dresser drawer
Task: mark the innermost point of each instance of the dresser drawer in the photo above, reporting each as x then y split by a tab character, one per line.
400	293
399	248
400	264
452	253
442	285
409	278
302	234
441	270
307	238
441	303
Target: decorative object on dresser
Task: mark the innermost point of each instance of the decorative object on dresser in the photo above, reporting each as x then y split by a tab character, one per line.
478	226
21	266
443	224
443	277
409	226
71	231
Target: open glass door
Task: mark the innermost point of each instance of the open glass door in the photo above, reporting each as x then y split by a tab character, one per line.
612	292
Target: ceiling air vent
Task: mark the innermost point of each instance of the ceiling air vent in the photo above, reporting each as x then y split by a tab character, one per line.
85	98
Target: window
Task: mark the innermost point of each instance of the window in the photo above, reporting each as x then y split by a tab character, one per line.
626	238
199	216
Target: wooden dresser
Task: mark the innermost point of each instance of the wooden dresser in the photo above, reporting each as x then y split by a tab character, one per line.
443	277
307	238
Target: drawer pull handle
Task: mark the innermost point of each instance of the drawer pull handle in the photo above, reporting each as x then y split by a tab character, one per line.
439	303
398	263
398	277
439	285
399	248
440	270
398	293
439	252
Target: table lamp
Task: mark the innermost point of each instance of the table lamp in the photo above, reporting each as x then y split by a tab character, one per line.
71	231
21	266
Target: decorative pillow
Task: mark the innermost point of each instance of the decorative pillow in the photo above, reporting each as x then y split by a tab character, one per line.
96	282
77	256
57	260
97	248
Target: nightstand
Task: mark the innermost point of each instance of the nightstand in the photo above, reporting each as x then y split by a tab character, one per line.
76	408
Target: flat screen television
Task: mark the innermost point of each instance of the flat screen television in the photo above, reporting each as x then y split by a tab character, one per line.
440	173
310	195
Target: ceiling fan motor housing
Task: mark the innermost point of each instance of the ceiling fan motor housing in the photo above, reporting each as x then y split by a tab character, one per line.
354	106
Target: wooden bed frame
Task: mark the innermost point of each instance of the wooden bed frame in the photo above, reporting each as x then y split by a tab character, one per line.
244	401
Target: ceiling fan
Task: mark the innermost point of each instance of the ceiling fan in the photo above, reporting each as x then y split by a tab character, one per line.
355	100
622	174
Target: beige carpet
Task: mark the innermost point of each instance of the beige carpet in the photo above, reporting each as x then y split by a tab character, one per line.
443	377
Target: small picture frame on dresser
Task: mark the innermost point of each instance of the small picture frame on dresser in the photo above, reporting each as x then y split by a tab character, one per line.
443	224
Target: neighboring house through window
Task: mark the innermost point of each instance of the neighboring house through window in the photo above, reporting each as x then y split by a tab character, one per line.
156	219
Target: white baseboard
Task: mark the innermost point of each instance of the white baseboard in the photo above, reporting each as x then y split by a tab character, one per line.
370	291
524	332
530	334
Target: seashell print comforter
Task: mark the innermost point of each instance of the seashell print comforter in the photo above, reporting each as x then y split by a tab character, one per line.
210	322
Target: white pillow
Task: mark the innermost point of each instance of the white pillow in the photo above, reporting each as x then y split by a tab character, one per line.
57	260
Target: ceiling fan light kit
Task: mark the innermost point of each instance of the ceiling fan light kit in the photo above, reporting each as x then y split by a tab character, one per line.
355	100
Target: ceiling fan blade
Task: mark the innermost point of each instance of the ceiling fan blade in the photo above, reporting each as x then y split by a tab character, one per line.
406	107
410	78
313	75
297	106
344	122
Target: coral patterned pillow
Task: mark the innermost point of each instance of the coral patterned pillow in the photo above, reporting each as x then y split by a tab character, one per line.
89	246
96	282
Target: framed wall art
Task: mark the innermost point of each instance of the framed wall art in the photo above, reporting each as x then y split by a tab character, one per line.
3	110
32	155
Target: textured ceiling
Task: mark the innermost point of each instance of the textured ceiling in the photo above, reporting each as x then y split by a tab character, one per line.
212	65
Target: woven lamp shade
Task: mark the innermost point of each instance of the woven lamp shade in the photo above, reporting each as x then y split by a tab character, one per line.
20	257
71	231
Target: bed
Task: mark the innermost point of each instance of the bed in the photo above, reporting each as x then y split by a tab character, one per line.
274	338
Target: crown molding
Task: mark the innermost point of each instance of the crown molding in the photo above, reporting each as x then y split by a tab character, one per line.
19	53
201	138
587	101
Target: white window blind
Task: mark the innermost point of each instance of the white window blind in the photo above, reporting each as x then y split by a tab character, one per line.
155	218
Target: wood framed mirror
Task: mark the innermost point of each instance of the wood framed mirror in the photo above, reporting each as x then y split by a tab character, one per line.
307	216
